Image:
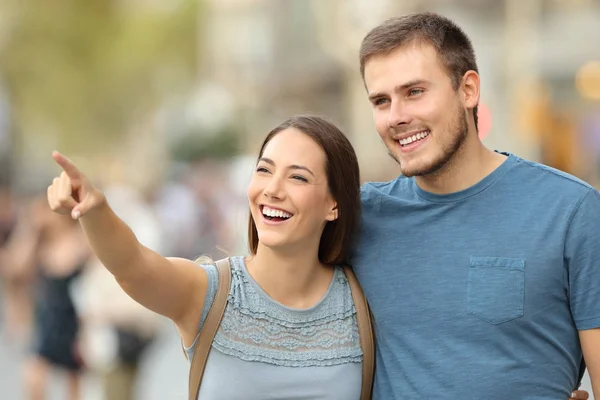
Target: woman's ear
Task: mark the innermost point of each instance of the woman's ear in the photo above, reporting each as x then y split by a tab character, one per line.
333	213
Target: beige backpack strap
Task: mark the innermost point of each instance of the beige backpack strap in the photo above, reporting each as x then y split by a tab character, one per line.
209	329
365	331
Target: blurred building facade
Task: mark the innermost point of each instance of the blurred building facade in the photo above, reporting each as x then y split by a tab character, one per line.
280	57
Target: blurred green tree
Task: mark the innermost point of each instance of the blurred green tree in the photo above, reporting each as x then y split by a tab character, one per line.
196	146
84	71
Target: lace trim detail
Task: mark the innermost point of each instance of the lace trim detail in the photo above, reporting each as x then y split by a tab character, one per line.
255	328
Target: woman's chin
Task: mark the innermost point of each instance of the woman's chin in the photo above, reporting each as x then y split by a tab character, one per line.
271	240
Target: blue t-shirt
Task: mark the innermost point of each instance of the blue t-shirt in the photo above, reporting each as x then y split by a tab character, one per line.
481	293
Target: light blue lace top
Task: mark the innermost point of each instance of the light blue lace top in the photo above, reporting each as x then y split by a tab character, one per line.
264	349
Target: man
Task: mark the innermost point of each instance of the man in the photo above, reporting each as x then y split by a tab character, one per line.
480	267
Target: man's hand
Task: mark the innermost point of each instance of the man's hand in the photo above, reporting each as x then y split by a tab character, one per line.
580	394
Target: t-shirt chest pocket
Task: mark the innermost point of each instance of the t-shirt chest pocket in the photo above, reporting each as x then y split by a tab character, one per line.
496	288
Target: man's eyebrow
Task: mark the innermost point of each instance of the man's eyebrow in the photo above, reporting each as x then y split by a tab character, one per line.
294	166
399	88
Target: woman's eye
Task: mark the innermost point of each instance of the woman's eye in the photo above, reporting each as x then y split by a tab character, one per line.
300	178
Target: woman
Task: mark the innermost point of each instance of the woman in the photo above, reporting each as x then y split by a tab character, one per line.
51	252
290	315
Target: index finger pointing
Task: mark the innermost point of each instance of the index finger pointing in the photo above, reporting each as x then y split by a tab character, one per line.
68	166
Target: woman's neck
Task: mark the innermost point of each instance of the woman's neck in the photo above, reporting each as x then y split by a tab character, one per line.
296	280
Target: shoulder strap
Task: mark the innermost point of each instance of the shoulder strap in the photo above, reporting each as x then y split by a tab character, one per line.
365	330
209	329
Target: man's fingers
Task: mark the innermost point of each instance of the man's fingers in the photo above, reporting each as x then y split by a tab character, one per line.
580	394
69	167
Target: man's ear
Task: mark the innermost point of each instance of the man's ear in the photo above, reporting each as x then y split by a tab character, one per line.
470	89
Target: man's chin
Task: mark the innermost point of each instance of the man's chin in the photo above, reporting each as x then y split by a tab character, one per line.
415	167
409	173
410	169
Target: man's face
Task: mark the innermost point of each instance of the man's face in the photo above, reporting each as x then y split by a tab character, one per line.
417	112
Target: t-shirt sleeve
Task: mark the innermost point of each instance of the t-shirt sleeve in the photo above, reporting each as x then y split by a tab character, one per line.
369	203
211	292
582	247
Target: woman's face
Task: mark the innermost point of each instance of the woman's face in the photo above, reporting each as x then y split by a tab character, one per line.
289	194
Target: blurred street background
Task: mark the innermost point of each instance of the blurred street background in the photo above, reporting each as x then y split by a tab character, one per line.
163	103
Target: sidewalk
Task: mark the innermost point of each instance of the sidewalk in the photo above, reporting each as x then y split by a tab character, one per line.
164	375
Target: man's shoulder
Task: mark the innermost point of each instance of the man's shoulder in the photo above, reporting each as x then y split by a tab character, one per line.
546	178
393	187
554	174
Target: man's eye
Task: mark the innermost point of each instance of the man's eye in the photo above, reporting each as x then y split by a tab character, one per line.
415	92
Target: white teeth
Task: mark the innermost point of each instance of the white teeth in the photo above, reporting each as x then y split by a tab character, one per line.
271	212
413	138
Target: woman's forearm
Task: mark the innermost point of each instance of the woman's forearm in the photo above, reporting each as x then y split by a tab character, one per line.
113	242
171	287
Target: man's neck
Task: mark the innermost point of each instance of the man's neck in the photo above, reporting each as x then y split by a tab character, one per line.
472	163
